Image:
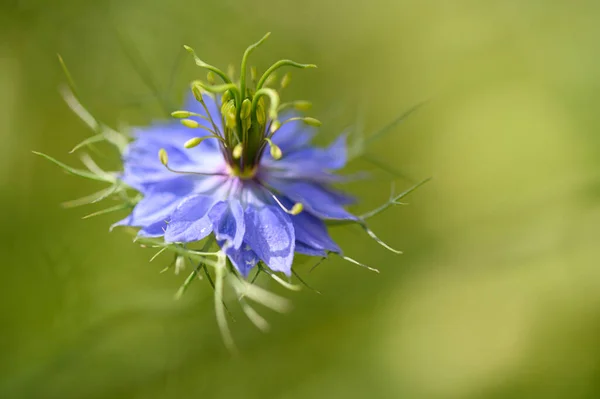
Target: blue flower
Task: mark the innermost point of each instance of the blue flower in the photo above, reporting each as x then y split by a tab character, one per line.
257	184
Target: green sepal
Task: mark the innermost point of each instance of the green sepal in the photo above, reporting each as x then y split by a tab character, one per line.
77	172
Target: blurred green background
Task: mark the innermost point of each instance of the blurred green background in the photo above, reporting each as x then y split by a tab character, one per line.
498	292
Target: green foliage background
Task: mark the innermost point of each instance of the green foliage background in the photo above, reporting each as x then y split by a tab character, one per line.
497	294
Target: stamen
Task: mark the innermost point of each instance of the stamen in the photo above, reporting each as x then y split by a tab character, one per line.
237	151
270	80
302	105
231	71
228	112
210	77
180	114
298	105
309	121
312	122
245	109
195	141
164	159
197	91
275	125
296	209
192	124
219	89
163	156
285	81
275	150
274	101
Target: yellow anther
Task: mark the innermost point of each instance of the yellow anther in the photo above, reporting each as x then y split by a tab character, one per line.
297	208
190	123
181	114
312	121
285	81
193	142
275	125
237	151
163	156
302	105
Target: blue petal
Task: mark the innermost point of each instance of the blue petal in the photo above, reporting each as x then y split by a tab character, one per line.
152	209
309	163
331	158
142	167
154	230
293	135
189	222
317	199
244	259
304	249
157	205
227	218
271	235
311	231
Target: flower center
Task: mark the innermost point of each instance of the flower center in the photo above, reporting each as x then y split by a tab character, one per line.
244	174
248	115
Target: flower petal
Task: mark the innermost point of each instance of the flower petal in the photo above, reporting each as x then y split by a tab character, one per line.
156	207
244	258
271	235
331	158
154	230
318	200
304	249
311	231
227	218
189	222
293	135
